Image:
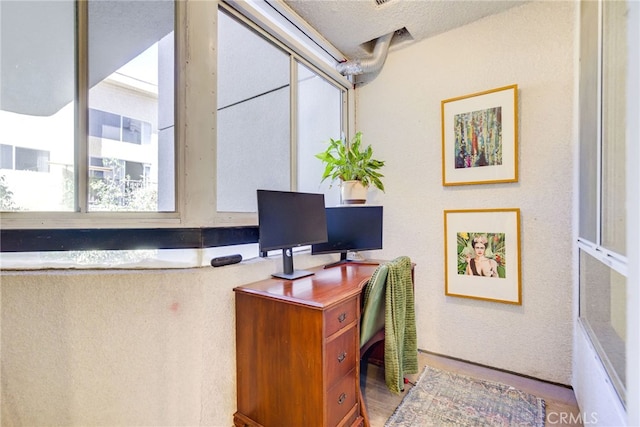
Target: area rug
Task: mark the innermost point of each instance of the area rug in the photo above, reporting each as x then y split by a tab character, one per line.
442	398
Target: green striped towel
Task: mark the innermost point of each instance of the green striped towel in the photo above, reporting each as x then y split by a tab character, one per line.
400	343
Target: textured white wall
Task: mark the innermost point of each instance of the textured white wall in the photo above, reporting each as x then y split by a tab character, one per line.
151	348
399	114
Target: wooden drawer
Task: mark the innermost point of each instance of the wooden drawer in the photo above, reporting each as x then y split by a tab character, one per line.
340	316
353	418
341	355
341	398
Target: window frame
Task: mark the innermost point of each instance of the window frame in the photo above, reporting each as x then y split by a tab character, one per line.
80	217
195	120
606	256
247	14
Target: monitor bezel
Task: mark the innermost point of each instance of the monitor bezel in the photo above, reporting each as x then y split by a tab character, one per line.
285	245
288	271
316	249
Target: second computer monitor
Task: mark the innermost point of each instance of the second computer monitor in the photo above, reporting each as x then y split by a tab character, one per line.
350	229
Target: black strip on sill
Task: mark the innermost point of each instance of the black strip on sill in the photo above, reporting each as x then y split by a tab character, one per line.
124	239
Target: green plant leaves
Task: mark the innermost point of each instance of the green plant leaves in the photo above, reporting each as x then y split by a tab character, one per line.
348	162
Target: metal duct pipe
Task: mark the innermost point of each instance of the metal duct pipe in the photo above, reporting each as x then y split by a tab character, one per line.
368	65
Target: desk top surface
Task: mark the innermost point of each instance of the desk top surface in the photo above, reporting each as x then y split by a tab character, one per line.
324	288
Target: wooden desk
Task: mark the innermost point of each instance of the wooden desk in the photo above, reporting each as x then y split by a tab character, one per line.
298	350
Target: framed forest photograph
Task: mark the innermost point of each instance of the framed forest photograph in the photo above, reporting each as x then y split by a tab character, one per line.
482	254
480	137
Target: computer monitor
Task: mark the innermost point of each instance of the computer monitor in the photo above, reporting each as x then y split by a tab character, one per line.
351	228
288	219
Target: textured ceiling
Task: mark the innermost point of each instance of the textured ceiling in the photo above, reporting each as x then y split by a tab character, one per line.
351	25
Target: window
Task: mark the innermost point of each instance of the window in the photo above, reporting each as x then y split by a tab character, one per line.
614	105
126	97
104	125
250	110
265	92
126	42
36	108
254	109
28	159
112	126
603	306
602	231
319	107
6	156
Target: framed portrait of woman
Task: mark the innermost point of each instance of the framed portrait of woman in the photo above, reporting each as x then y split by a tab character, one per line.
482	254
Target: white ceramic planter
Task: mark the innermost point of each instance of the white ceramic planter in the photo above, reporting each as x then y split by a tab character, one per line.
353	193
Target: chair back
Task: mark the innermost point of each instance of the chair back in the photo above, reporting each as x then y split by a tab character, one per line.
372	320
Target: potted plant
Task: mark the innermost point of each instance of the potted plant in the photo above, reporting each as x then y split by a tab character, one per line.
354	166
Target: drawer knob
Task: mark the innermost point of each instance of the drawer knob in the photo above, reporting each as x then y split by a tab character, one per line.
342	317
342	398
342	356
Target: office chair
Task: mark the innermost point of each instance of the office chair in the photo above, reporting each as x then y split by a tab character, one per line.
396	279
372	320
371	325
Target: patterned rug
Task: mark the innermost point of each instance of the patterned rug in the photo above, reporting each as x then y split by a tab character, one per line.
442	398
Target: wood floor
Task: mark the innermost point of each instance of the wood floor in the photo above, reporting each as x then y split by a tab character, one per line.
561	406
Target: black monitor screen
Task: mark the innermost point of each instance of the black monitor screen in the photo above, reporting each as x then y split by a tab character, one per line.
351	228
288	219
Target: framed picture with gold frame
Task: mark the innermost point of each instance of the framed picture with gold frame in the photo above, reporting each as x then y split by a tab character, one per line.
482	254
480	137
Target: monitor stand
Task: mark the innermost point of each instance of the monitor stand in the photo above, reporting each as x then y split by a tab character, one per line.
288	272
343	260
